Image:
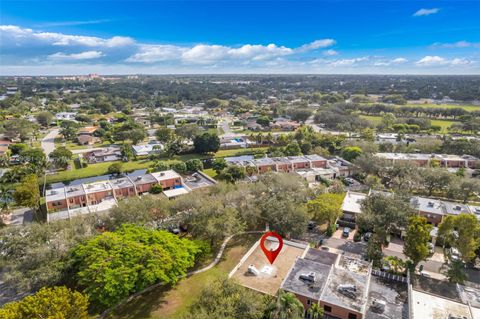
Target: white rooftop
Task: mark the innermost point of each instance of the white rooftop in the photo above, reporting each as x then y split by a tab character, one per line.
97	187
164	175
426	306
353	202
175	192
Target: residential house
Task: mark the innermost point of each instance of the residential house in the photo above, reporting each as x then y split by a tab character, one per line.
103	155
85	135
123	187
144	183
425	160
147	149
342	167
352	206
430	298
98	192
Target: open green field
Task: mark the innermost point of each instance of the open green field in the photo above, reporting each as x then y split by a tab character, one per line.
444	124
469	108
102	168
173	302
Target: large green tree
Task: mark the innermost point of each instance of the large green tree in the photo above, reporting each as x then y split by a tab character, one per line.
56	302
287	306
61	156
226	299
114	265
417	239
27	193
207	142
461	232
325	208
383	214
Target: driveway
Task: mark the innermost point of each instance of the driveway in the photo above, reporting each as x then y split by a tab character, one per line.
48	142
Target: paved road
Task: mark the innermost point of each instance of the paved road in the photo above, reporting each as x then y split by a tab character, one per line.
48	142
225	127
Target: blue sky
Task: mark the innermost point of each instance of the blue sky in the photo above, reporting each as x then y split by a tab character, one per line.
124	37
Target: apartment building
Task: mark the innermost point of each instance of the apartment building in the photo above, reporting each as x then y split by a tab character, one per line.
280	164
434	210
345	287
424	160
96	193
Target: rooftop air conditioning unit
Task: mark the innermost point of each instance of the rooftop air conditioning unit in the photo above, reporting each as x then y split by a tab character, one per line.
310	277
378	306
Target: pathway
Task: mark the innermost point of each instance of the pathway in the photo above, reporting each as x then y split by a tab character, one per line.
191	273
48	142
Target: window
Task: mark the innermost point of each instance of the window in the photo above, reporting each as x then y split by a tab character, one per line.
309	302
71	200
352	316
327	308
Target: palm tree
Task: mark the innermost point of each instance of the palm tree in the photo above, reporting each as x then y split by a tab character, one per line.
287	306
315	311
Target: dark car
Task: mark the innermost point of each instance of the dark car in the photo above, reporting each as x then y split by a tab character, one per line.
311	225
366	236
346	232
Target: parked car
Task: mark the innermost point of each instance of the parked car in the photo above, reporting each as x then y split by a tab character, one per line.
311	225
346	231
366	236
454	254
349	181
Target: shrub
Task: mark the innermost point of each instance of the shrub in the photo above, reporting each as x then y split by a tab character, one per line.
357	237
156	189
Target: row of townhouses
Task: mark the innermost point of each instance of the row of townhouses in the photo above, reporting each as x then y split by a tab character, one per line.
308	166
102	195
425	160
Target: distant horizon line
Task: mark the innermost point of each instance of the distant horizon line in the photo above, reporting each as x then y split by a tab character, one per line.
237	74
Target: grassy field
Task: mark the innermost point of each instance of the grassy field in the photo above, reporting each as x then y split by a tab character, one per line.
210	172
173	302
102	168
469	108
444	124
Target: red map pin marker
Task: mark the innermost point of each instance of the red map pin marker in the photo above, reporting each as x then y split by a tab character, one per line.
271	254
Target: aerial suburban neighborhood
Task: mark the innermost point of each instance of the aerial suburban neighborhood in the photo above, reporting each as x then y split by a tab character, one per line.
203	160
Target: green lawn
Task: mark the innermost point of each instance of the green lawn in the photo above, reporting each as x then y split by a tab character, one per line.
210	172
102	168
173	303
444	124
469	108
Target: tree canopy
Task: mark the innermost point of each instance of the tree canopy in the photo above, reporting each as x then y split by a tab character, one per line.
113	265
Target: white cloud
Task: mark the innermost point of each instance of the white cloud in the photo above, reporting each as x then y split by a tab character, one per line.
347	62
87	55
439	61
317	44
71	23
330	52
156	53
432	60
426	12
26	36
399	60
458	44
206	54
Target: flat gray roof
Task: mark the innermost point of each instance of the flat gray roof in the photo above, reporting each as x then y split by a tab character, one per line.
395	296
144	179
333	294
309	289
121	183
321	256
